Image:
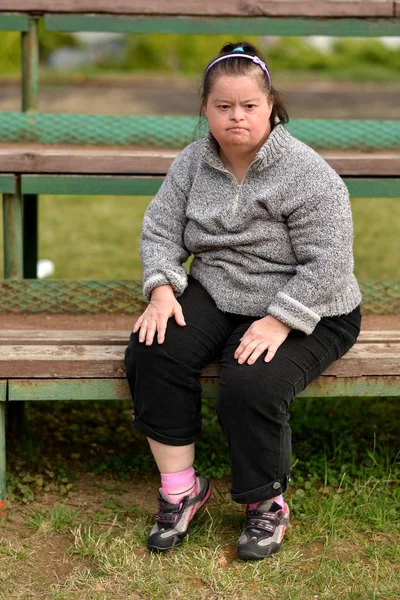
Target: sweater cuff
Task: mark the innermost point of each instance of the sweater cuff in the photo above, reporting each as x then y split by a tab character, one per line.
178	282
293	313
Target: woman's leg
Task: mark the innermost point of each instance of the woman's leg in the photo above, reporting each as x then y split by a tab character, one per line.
164	382
254	399
253	410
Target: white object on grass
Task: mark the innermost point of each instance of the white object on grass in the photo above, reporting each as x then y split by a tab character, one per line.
44	268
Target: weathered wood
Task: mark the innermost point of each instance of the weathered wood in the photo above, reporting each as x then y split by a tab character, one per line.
120	337
103	361
326	8
38	159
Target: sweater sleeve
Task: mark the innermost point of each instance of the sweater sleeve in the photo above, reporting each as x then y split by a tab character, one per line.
321	233
162	247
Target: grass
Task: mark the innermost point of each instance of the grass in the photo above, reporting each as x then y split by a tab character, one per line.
101	235
83	485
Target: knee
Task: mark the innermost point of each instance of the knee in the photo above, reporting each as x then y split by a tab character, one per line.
243	391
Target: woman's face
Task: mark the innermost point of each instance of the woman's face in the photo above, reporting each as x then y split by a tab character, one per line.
238	113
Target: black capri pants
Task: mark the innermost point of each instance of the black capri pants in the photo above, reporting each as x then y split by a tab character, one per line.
253	400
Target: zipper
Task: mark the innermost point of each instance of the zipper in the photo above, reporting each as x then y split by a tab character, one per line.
239	185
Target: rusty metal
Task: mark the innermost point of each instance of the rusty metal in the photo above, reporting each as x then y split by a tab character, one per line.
13	245
30	101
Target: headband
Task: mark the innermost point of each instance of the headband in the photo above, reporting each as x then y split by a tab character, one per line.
235	54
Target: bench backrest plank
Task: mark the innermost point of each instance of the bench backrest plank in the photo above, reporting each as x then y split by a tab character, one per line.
324	8
45	159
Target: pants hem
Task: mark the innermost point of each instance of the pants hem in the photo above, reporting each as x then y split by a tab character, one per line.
259	494
164	439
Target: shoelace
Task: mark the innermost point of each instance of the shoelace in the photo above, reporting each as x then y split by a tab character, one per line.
167	513
268	521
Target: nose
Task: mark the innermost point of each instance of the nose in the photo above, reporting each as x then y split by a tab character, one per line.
236	113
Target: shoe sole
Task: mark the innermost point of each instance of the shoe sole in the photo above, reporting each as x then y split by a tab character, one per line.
154	548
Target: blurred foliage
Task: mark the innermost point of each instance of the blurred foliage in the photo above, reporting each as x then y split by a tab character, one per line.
10	47
350	58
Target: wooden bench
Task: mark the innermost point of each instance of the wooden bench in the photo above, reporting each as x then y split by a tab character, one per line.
59	354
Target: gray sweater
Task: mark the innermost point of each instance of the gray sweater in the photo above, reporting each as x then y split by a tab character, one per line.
279	243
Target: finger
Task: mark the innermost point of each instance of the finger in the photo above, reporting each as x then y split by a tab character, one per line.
151	330
245	341
143	330
247	351
271	353
161	328
137	325
178	314
256	353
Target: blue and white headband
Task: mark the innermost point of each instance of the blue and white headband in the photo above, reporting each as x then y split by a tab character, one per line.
236	53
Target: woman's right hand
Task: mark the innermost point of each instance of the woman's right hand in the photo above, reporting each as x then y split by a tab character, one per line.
162	306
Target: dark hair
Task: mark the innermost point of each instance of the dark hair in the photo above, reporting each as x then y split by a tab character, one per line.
238	66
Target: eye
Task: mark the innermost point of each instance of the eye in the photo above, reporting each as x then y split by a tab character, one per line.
250	106
223	106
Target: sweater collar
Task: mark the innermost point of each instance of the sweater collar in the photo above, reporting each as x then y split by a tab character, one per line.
270	151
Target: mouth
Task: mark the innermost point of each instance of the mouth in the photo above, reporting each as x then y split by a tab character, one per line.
235	129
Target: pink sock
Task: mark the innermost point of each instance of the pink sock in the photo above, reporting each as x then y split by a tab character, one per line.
278	499
178	485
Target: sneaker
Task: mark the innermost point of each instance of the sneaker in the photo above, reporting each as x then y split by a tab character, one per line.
264	531
172	520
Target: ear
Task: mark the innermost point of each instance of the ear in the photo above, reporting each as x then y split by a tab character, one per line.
204	107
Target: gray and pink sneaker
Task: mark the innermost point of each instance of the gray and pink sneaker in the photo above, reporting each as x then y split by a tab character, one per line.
264	531
172	520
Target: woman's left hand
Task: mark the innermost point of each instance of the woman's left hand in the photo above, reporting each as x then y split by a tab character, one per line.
268	334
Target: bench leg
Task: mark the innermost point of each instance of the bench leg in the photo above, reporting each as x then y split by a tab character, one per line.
3	489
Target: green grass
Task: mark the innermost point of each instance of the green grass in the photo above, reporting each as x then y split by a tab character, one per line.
72	538
97	237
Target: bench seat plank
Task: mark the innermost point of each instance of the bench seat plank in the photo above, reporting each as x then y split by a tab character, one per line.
76	361
308	8
121	337
38	158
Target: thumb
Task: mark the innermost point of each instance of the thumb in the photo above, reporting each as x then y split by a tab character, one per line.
178	314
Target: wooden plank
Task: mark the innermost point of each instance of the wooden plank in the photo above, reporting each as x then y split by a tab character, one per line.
117	389
104	161
326	8
58	337
3	390
37	158
102	361
121	337
229	25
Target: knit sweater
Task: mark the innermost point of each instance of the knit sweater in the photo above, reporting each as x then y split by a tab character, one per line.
279	243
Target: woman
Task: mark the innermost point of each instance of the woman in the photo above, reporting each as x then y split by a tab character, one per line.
271	291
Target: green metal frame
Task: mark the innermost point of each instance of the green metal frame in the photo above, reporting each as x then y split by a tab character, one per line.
13	22
3	483
225	25
118	389
7	184
91	185
13	237
148	186
30	101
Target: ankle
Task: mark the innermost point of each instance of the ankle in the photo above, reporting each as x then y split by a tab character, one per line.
178	485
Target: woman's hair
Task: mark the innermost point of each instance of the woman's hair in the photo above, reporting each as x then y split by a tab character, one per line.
235	66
